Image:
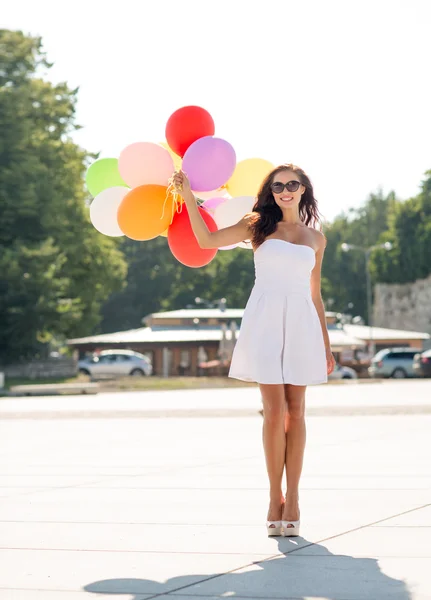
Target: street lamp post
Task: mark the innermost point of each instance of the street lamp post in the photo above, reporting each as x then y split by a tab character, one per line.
367	253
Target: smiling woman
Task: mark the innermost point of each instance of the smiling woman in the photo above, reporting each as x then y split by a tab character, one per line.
283	343
284	187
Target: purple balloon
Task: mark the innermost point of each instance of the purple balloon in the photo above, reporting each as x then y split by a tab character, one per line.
212	203
209	162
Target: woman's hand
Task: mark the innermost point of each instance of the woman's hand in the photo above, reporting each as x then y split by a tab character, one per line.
330	360
181	183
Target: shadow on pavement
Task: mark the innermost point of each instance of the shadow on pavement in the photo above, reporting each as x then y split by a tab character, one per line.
305	572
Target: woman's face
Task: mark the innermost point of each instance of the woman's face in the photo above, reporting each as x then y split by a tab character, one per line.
287	189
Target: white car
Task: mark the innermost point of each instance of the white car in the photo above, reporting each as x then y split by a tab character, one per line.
341	372
115	363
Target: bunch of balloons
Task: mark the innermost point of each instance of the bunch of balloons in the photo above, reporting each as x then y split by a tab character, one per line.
132	194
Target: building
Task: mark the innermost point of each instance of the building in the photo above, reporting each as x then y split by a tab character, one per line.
179	342
200	341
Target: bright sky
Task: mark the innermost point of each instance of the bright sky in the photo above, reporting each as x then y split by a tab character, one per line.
339	87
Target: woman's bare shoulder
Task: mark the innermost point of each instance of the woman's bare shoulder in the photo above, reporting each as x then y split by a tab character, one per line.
319	238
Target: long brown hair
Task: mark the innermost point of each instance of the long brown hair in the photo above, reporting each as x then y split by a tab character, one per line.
268	213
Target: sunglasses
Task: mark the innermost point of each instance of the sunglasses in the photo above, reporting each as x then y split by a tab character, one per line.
291	186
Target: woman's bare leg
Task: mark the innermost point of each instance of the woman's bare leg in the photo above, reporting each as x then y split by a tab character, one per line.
295	445
274	444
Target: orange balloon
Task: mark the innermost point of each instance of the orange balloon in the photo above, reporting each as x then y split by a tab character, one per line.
145	212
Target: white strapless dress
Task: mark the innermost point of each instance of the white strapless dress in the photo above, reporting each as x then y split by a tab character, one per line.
281	340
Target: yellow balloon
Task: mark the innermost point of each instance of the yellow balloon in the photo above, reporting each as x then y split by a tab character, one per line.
248	176
177	159
165	233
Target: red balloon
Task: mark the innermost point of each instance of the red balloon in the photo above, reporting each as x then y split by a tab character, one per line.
183	243
186	125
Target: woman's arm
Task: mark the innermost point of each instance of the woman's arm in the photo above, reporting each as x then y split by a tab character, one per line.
207	239
318	302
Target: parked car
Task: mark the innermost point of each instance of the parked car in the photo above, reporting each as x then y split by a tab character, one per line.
422	364
341	372
118	363
393	362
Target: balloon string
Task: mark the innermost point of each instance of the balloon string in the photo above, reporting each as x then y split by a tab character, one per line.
176	202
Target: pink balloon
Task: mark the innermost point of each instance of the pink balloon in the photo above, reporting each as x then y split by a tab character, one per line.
209	162
145	163
212	203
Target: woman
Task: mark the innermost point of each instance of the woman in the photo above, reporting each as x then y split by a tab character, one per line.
283	343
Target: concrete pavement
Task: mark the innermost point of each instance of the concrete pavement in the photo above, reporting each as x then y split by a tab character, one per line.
346	398
97	506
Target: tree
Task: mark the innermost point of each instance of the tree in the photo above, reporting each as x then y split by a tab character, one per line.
410	234
157	281
345	272
55	269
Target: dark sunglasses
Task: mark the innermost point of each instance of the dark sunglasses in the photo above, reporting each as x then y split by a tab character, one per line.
291	186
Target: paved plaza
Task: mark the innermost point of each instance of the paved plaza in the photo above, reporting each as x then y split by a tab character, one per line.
164	495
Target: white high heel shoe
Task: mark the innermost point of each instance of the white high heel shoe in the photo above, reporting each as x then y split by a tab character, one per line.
274	528
290	528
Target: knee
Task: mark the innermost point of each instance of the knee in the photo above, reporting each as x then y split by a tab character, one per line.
297	410
274	414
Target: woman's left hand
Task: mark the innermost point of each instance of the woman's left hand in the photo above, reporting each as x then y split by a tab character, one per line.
330	361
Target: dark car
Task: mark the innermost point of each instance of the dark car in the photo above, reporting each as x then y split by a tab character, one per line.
422	364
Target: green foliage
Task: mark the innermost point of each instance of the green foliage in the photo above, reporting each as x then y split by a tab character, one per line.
407	225
55	269
410	234
157	281
57	273
345	271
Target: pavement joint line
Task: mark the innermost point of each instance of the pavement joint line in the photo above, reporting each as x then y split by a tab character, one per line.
245	597
271	557
89	483
403	526
253	489
146	595
309	475
146	523
152	524
332	537
279	554
328	411
101	550
186	467
197	597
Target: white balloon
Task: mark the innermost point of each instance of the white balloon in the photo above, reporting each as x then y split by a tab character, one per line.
233	210
220	193
103	210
